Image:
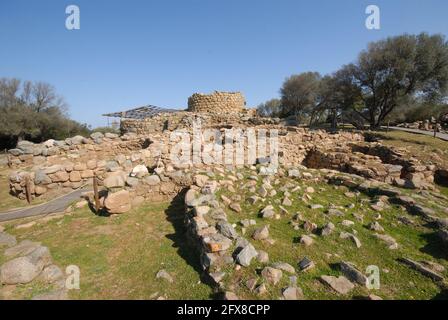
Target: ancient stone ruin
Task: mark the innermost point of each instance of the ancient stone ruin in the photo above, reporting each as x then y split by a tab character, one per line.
138	166
221	102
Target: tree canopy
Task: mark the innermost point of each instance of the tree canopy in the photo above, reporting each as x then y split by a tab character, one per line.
390	74
33	111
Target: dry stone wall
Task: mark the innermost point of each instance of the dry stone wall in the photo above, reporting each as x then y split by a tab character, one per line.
220	102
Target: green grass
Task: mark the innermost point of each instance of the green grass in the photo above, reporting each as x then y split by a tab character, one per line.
397	280
119	256
423	147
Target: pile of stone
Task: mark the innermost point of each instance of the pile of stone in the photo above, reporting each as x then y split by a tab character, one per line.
425	125
29	261
376	162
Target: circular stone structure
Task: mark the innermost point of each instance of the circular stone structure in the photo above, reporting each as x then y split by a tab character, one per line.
217	102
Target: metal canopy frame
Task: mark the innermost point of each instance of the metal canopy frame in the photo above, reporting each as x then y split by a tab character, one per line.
140	112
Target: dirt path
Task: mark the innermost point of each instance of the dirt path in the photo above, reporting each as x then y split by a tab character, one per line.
53	206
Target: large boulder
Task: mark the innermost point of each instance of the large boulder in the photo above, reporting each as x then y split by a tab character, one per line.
115	179
118	202
25	269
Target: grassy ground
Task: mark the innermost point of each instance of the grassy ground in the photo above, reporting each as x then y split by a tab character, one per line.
119	256
425	148
397	280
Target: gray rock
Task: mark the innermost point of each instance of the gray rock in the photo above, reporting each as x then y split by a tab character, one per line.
16	152
287	202
115	180
246	255
226	229
390	242
262	256
292	293
51	274
375	226
284	267
271	275
261	233
268	212
422	269
347	235
111	135
163	274
112	166
306	240
41	178
76	140
217	276
152	180
294	173
132	181
341	284
97	135
235	207
24	248
354	275
27	268
306	264
7	239
327	229
26	146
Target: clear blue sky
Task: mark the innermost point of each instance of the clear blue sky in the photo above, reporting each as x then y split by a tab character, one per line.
131	53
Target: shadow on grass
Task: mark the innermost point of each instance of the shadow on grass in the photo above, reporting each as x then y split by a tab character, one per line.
175	214
434	247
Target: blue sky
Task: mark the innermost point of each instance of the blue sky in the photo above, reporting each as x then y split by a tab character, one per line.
131	53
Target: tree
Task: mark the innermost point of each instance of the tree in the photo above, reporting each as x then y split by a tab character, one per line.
33	111
398	67
270	108
298	94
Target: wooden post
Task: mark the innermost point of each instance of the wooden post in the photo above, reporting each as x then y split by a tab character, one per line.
388	123
95	193
8	158
435	130
28	189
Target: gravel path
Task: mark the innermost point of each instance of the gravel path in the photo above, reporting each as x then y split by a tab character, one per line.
53	206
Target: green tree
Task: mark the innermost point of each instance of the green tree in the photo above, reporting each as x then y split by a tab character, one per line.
299	94
398	67
270	108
